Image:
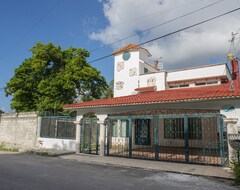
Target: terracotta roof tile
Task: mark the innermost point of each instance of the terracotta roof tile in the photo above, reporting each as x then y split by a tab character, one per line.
128	48
172	95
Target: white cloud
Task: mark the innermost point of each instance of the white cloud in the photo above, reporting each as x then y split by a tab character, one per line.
197	46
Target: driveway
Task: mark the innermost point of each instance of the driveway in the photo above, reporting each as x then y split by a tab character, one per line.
24	171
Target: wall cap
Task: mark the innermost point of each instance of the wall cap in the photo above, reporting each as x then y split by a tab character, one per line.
230	120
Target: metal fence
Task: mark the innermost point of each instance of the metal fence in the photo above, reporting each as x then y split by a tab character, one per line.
195	138
58	127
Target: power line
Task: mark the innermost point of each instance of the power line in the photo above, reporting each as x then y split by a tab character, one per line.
34	26
176	31
162	11
146	30
138	18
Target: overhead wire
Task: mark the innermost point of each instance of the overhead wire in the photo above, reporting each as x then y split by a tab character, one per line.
176	31
142	17
151	28
34	26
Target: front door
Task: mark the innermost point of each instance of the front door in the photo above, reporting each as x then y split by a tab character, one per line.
142	132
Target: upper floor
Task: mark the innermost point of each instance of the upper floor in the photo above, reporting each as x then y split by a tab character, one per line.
133	73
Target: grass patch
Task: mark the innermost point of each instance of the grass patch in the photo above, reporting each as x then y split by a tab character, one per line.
3	148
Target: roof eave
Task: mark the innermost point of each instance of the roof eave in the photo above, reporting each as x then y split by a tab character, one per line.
154	102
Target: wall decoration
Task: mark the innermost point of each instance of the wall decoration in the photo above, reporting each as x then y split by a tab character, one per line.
133	71
120	66
151	81
126	55
119	85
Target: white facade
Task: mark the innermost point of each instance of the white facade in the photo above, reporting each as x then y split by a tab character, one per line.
53	143
132	71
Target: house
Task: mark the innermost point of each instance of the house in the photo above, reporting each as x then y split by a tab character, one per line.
181	115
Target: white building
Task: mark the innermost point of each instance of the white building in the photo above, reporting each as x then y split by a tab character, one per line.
132	72
185	115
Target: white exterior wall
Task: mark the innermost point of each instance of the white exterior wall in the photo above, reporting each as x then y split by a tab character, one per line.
197	73
129	82
143	55
62	144
147	66
160	80
235	113
125	83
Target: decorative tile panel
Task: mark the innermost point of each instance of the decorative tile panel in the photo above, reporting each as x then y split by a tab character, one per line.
120	66
119	85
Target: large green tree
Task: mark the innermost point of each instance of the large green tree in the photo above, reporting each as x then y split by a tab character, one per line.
53	77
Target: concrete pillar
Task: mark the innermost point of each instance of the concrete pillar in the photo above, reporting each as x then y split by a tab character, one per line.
38	132
102	133
78	135
232	129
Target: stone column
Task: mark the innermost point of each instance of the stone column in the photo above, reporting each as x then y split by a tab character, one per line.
78	136
38	143
232	129
102	133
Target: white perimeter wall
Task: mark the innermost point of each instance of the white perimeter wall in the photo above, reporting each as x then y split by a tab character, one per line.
62	144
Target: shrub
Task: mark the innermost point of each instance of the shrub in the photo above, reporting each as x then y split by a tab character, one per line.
236	170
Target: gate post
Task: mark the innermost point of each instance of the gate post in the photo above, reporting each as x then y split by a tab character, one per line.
78	134
101	122
232	129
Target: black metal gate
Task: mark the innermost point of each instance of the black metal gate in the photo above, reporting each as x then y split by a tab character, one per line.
89	136
189	138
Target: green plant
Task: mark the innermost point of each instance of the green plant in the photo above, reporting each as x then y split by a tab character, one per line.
236	170
3	148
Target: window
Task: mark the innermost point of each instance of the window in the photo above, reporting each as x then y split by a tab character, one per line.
183	85
145	70
205	83
212	82
200	83
174	128
179	86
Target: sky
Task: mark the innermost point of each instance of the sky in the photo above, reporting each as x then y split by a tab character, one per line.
93	24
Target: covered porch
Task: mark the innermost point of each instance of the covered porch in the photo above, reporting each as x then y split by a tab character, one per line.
160	132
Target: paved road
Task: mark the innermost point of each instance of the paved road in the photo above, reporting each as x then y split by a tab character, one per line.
23	172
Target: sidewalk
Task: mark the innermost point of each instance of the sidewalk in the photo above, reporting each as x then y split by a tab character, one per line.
198	170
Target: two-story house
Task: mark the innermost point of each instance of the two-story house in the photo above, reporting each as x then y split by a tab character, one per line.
162	115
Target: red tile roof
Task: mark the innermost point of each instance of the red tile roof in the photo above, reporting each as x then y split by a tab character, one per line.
128	48
173	95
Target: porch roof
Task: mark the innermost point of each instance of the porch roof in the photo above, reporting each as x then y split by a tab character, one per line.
213	92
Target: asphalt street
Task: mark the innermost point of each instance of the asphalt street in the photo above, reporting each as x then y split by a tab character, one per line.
24	171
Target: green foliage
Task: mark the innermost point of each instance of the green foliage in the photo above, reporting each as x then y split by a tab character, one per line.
3	148
108	93
236	170
53	77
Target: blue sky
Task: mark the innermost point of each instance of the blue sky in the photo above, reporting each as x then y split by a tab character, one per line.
65	23
92	23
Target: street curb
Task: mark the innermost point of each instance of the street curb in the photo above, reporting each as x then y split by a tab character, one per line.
150	169
49	153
